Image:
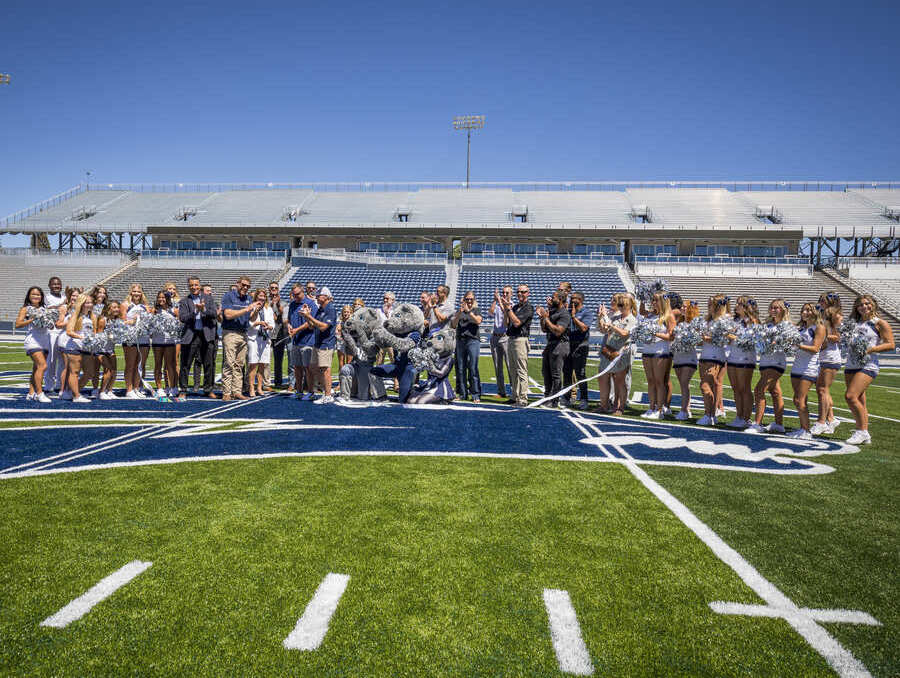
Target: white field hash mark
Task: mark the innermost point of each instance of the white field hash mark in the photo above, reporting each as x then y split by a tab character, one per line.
571	652
311	628
100	591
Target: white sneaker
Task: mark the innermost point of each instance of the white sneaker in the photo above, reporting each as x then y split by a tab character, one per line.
140	394
860	438
324	400
737	422
65	395
111	396
654	415
648	414
832	425
774	428
160	393
80	399
706	420
30	396
132	395
754	428
42	398
800	434
818	428
683	415
720	413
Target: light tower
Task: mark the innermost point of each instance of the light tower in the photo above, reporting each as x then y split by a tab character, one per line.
468	123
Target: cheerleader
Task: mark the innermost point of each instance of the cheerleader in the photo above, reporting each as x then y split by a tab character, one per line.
604	319
659	364
259	348
136	351
829	365
37	344
62	340
164	351
685	364
99	294
741	363
108	355
55	298
858	374
805	370
174	300
712	360
81	320
771	367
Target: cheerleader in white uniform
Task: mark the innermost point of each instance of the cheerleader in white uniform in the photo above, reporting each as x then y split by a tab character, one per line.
81	320
712	360
858	375
65	314
805	370
37	344
164	351
830	361
259	350
658	363
108	355
741	363
771	367
136	352
55	298
685	364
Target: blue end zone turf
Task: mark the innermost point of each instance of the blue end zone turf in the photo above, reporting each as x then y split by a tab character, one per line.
279	426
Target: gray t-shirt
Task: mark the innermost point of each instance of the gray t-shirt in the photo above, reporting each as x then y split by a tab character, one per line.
446	309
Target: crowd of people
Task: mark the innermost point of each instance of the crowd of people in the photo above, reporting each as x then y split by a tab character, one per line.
256	330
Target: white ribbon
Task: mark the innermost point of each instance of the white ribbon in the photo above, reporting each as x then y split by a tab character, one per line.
615	361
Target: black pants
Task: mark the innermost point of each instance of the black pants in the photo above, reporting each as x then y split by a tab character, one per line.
205	352
576	362
554	356
278	347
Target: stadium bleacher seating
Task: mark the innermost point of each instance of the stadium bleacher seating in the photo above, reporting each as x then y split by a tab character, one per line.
597	284
369	281
19	272
152	279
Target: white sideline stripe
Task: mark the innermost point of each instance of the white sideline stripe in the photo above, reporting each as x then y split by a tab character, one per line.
311	628
837	656
827	616
571	652
100	591
125	438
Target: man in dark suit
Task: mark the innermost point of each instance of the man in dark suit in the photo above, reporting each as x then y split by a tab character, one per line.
197	313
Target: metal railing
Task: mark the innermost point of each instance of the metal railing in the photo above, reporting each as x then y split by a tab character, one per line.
63	255
214	254
52	201
427	258
868	262
542	259
675	259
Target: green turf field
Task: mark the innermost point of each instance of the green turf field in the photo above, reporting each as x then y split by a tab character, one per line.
448	559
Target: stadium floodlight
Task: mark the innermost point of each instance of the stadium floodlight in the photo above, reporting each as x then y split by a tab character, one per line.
468	123
4	78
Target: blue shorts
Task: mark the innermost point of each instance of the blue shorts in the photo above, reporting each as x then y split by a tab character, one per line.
829	366
37	350
71	351
804	377
691	365
743	366
871	373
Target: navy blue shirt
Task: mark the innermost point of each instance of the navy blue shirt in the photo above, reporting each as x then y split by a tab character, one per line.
326	314
295	319
307	337
576	336
234	301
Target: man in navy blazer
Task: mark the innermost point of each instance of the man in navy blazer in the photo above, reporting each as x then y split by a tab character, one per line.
197	313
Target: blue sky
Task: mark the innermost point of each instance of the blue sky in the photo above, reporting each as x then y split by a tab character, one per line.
366	91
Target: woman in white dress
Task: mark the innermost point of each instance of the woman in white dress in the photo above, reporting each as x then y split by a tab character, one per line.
37	344
164	374
259	346
134	307
81	321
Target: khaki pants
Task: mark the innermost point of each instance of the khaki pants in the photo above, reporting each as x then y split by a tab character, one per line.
235	346
518	373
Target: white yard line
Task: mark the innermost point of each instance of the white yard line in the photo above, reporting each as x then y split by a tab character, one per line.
311	628
97	593
837	656
571	652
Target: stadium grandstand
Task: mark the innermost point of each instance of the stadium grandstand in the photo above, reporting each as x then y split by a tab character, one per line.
770	238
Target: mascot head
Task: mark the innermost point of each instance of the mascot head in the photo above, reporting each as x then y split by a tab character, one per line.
404	319
443	342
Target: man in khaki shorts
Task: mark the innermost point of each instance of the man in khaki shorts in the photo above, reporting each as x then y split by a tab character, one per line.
324	321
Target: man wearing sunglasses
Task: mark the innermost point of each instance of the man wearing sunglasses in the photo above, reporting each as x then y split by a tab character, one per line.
518	318
236	309
304	346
